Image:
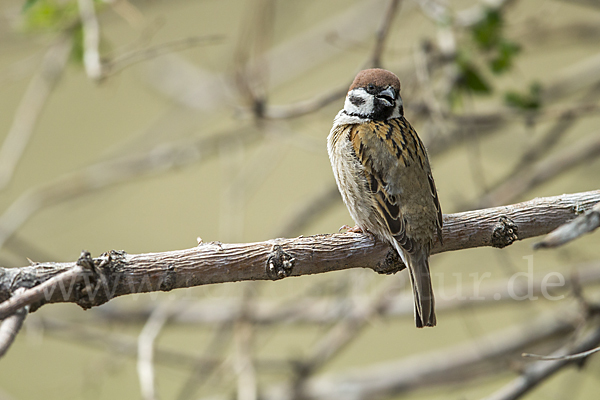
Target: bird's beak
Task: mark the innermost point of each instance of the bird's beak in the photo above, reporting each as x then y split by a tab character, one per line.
388	96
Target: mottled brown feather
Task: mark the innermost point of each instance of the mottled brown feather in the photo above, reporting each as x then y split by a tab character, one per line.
402	141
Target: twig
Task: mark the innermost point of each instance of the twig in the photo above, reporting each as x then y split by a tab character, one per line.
586	223
460	363
327	311
91	39
97	176
145	363
39	292
306	106
566	119
200	371
125	345
244	368
117	273
318	102
382	33
311	211
569	357
539	371
118	63
251	74
31	107
583	74
348	329
552	166
11	326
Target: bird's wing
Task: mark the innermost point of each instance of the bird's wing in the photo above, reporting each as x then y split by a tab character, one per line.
377	150
436	201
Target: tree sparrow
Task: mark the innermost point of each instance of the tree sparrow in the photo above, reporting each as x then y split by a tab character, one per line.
382	171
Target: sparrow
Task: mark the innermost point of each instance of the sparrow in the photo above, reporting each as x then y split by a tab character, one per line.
383	174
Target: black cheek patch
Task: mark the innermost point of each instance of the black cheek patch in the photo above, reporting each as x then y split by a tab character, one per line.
357	101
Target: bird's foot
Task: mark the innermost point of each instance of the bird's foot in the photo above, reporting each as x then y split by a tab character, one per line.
355	229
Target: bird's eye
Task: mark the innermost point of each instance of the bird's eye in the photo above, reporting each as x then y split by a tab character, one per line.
370	87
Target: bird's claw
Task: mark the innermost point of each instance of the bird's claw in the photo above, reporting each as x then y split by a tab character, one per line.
355	229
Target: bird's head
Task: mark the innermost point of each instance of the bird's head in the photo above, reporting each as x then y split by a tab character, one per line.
374	95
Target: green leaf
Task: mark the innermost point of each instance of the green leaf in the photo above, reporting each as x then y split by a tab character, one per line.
525	101
504	60
488	32
49	15
77	47
27	5
472	80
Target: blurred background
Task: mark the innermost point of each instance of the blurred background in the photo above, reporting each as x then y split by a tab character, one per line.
142	125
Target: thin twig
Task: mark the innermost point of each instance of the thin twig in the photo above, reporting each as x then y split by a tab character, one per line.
161	158
552	166
118	63
569	357
91	39
40	292
348	329
383	32
11	326
539	371
244	368
311	210
455	364
200	371
125	345
145	362
31	107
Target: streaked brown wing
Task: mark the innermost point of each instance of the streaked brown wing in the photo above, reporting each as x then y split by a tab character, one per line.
366	143
440	220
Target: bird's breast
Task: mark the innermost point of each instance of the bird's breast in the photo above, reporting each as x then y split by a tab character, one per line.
350	177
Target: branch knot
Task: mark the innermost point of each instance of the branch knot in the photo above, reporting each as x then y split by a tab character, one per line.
279	264
506	232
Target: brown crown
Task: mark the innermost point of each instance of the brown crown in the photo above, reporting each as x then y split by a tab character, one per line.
378	77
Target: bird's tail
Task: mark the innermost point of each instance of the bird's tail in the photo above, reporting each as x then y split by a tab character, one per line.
417	263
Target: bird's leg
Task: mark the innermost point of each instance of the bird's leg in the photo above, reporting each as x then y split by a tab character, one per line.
356	229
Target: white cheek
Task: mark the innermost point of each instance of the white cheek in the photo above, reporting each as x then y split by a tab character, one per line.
362	109
396	113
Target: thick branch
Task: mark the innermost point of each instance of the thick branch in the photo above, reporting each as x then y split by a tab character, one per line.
321	311
117	273
586	223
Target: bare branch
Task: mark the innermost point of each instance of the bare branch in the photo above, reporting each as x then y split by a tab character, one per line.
543	171
31	107
114	171
91	39
118	63
460	363
586	223
569	357
307	106
117	273
348	328
311	210
326	311
11	326
39	292
247	386
539	371
126	345
382	33
145	363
